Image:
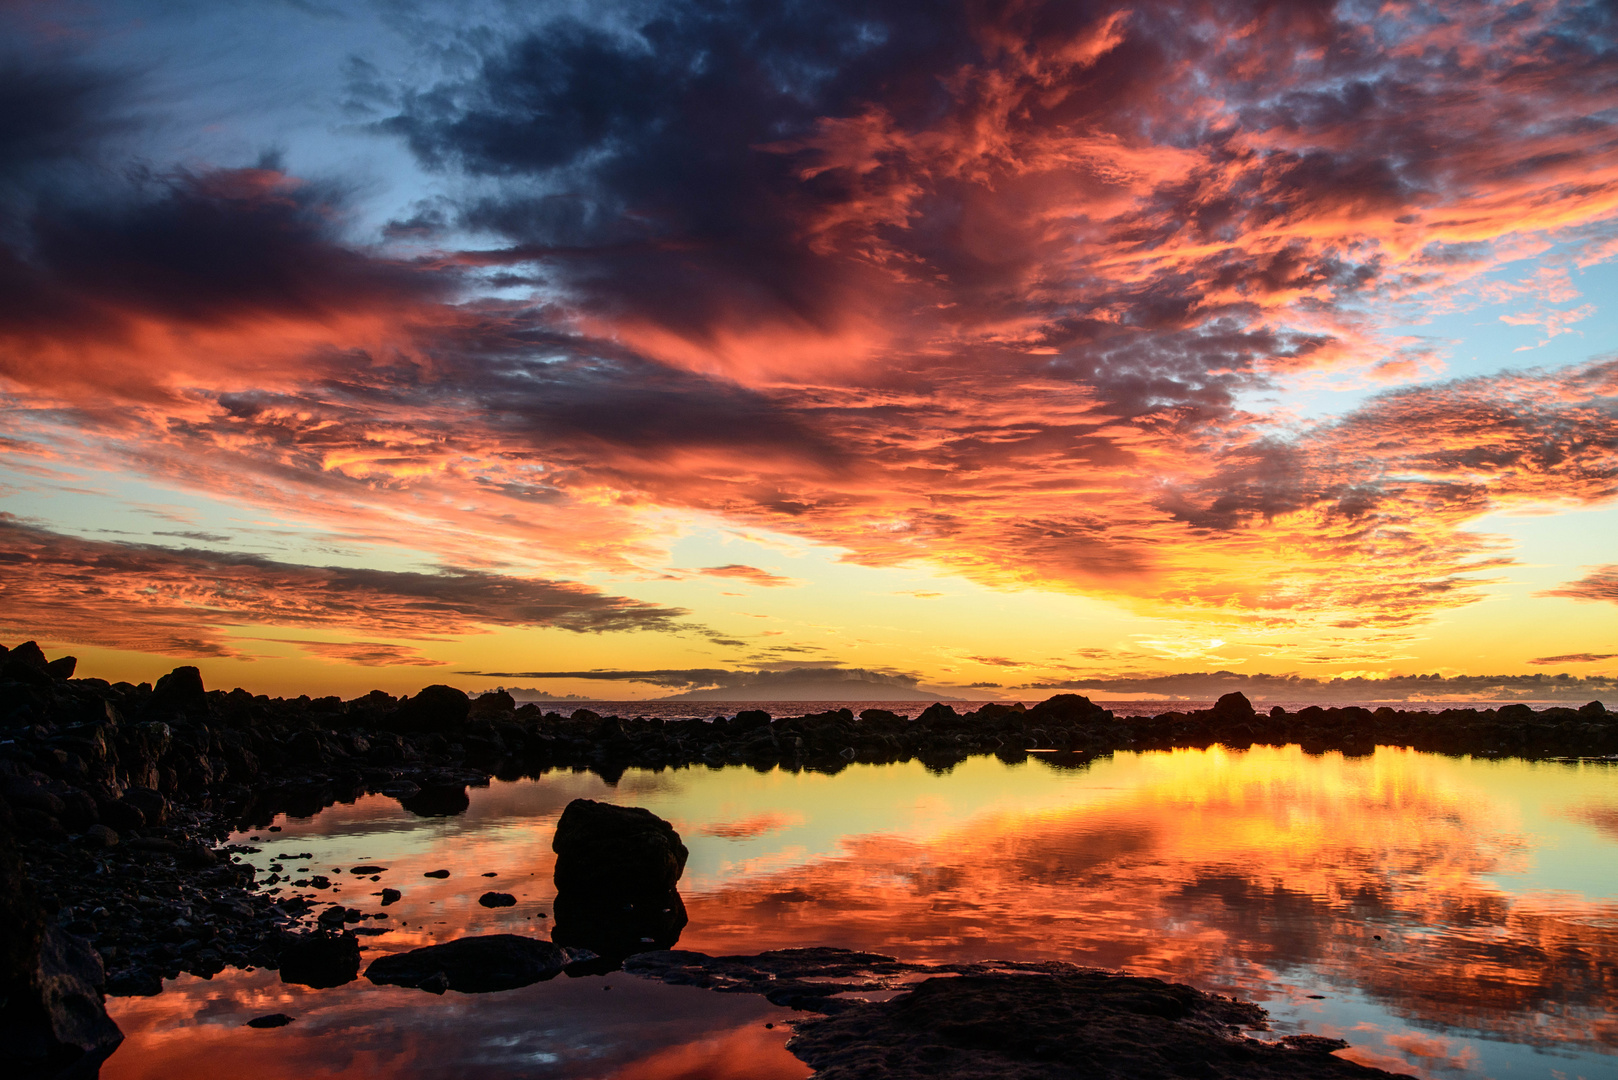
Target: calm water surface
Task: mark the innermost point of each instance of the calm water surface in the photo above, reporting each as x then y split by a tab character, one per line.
1449	917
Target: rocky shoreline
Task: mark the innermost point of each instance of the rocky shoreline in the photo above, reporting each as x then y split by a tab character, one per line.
114	798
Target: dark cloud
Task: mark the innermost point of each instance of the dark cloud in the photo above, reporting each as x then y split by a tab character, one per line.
1574	658
136	596
363	653
718	678
192	534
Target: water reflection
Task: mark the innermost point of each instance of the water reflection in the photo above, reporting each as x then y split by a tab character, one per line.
1449	917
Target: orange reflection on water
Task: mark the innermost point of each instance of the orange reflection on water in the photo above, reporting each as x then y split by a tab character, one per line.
1228	871
1399	886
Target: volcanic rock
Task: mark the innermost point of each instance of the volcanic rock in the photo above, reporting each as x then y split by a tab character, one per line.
1080	1024
497	899
477	965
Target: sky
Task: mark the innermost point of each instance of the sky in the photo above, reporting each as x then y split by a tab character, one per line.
991	348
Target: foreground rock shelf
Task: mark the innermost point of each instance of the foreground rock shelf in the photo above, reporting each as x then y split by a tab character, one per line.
1011	1021
115	797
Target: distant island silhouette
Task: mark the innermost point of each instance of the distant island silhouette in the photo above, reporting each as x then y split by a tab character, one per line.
784	689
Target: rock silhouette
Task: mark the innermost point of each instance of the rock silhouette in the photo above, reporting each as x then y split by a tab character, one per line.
321	959
476	965
617	868
1051	1027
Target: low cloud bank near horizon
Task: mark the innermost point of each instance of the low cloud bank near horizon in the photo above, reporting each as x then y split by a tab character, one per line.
719	678
1199	686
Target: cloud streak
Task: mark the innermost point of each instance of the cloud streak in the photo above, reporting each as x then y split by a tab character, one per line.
180	602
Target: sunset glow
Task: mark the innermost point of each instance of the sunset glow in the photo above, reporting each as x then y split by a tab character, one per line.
994	348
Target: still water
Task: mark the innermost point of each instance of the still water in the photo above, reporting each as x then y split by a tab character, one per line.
1449	917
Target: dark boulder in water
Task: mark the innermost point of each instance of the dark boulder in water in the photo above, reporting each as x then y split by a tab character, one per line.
321	959
1233	707
438	801
476	965
616	873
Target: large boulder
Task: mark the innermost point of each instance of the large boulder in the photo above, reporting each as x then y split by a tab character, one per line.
435	708
617	868
1065	709
56	1023
476	965
180	691
1234	706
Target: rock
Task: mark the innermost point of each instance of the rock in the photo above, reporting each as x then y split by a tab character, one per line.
436	874
271	1020
497	899
135	982
321	959
494	703
1595	708
436	983
1036	1026
33	822
152	805
1233	707
616	874
28	654
21	917
435	708
58	1024
62	667
180	691
23	794
1065	708
438	801
99	836
367	869
476	965
750	720
391	896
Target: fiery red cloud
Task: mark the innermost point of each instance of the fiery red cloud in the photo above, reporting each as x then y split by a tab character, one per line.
992	286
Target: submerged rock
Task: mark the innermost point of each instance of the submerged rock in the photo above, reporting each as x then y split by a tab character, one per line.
476	965
616	874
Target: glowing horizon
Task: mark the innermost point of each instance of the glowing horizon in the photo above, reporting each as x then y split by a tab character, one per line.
991	348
